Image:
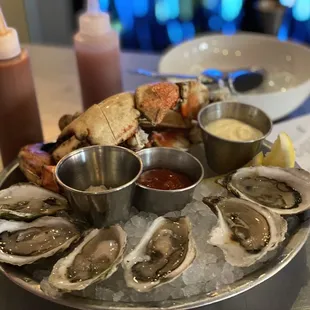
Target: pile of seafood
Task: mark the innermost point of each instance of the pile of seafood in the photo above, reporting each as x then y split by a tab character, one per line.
233	223
160	114
252	206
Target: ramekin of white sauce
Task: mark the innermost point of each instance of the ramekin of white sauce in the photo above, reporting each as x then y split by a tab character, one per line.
233	133
233	129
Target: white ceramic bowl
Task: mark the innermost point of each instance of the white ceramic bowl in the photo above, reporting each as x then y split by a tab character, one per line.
287	84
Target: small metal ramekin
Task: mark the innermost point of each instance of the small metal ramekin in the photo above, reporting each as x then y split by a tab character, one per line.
163	201
226	155
115	167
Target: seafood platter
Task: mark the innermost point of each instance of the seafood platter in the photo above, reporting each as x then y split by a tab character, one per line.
125	211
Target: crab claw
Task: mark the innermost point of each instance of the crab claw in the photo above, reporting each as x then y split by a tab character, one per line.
193	96
110	122
48	178
66	119
170	138
155	100
38	166
173	119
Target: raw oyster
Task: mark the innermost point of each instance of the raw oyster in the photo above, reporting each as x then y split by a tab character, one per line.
165	251
245	231
284	191
26	202
96	258
24	243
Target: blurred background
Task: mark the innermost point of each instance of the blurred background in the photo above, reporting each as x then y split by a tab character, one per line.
153	25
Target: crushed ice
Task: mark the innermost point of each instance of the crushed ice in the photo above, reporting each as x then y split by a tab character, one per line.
208	272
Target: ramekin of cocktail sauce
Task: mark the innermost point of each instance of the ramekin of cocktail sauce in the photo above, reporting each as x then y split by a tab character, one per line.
168	180
164	179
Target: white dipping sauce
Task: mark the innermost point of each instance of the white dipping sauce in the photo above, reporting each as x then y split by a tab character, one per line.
233	129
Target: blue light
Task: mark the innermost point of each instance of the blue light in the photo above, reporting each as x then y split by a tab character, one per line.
188	30
174	8
140	7
229	28
283	32
288	3
301	10
125	14
104	5
175	32
166	10
210	4
215	23
231	9
162	11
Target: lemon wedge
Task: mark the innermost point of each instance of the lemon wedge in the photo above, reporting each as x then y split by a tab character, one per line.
282	153
256	161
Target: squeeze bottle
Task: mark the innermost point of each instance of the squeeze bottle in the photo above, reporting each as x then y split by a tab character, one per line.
19	114
97	50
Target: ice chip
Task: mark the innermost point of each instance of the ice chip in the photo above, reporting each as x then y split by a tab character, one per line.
118	296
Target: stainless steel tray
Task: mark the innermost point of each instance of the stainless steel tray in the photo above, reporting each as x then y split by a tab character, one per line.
12	175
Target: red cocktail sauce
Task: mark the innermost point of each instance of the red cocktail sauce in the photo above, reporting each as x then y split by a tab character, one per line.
164	179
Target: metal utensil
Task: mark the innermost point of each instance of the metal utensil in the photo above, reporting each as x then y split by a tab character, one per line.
115	167
225	155
240	80
162	201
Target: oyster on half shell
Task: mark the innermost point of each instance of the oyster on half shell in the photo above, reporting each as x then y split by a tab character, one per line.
284	191
26	202
96	258
24	243
165	251
245	232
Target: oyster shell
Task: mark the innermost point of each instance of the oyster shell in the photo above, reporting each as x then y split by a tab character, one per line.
26	202
165	251
96	258
284	191
245	232
24	243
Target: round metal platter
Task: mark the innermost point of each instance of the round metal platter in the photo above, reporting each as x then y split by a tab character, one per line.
293	244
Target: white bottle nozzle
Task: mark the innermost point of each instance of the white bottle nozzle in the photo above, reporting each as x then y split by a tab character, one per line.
9	42
94	22
3	26
93	6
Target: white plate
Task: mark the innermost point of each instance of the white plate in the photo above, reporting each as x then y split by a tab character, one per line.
286	86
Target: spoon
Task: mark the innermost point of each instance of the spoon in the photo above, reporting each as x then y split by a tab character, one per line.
240	80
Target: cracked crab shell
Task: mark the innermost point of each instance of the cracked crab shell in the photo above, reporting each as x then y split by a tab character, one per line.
108	123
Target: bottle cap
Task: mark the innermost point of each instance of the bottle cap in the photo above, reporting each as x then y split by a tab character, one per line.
94	22
9	41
